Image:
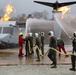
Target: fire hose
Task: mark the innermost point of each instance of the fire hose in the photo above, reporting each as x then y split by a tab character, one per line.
30	50
54	50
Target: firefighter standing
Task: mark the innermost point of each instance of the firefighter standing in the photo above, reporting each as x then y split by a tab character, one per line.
37	43
30	39
52	53
20	42
60	45
27	45
42	42
73	57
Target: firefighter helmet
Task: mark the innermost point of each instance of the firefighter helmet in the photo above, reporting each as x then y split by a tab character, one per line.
20	33
74	34
58	39
51	33
29	34
42	33
36	34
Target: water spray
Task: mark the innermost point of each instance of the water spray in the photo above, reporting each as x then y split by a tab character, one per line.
55	17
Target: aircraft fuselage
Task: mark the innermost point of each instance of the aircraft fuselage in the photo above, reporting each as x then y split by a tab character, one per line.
56	5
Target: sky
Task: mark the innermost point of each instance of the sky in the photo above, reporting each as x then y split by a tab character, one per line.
28	6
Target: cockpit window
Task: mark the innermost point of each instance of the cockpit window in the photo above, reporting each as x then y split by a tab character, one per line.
0	29
8	30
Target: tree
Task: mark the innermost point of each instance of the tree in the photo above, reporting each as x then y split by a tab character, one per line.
21	17
29	16
43	15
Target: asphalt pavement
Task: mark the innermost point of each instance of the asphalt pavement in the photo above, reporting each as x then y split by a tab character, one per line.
11	64
10	57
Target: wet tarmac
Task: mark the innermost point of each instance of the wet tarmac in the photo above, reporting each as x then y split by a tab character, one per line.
36	70
10	57
11	64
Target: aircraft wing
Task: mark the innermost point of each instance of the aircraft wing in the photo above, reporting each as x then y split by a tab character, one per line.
45	3
66	3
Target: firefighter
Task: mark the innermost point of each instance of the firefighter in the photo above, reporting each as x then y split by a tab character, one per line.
60	45
20	42
31	43
26	45
73	57
52	53
30	40
37	43
42	42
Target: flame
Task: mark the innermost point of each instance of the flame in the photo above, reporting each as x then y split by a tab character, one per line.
64	10
8	10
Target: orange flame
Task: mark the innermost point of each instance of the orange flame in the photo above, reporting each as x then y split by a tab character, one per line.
64	10
8	10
